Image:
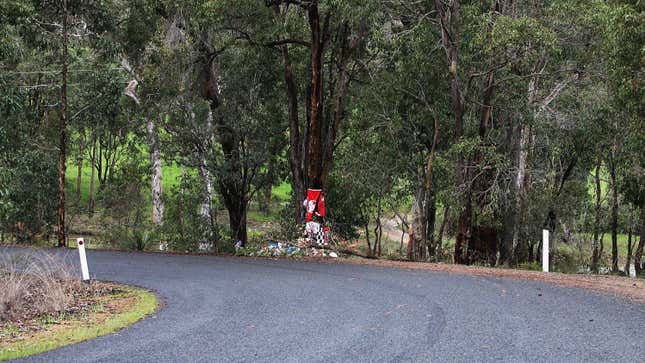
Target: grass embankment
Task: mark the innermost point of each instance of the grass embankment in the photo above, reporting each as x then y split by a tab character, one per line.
107	314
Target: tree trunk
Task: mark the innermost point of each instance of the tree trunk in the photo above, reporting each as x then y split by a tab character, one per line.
79	175
315	129
442	228
237	212
265	199
450	24
234	185
205	209
378	231
367	239
62	156
416	241
207	183
156	185
595	258
629	243
509	212
90	207
638	255
614	215
431	221
295	150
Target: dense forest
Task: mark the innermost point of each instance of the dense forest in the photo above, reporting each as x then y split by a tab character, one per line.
194	125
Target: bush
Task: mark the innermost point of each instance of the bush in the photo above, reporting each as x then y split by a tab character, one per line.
185	229
28	192
126	203
345	202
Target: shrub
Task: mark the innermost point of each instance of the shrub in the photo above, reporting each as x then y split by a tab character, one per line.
185	229
27	207
126	204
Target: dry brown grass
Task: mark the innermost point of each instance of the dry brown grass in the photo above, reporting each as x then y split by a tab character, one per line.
34	284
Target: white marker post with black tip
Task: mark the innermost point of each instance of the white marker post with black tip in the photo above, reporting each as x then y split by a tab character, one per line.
85	272
545	250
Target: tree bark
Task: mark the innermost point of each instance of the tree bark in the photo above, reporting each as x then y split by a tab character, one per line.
450	26
62	145
378	230
629	243
205	208
638	255
614	214
265	202
79	177
234	182
595	258
315	129
431	221
155	162
295	142
442	228
90	207
79	174
417	239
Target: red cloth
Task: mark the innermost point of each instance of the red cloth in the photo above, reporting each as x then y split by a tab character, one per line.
315	204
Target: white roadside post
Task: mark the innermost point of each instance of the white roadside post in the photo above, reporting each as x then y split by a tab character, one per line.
85	272
545	250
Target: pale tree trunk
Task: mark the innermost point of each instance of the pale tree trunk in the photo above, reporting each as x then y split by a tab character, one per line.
614	213
155	162
90	207
524	138
450	25
416	241
79	173
595	258
421	241
638	255
79	177
518	189
205	208
62	155
629	242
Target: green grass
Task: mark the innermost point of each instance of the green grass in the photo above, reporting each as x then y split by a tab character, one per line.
39	343
282	192
621	241
171	177
258	216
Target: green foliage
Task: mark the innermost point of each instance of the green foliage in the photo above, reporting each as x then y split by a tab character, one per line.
27	190
126	204
185	229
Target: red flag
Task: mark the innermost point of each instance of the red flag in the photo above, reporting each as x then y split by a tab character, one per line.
315	204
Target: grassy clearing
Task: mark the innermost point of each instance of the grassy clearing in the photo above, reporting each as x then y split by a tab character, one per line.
282	192
113	312
171	177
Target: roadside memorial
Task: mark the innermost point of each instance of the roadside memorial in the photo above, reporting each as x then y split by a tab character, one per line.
316	232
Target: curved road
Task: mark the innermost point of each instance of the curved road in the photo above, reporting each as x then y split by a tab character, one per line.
228	309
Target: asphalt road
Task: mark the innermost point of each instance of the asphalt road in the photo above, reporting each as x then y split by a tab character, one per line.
218	309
